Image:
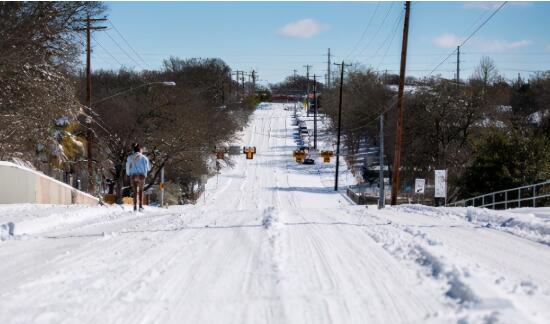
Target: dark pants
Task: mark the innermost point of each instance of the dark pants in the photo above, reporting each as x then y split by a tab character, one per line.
138	181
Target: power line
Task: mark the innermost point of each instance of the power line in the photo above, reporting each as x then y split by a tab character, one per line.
106	51
365	30
378	30
470	36
390	34
389	107
127	43
126	53
394	32
483	24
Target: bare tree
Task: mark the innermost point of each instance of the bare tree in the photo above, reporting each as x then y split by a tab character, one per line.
486	72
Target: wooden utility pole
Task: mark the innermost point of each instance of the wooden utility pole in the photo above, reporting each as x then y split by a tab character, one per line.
315	112
399	133
253	82
339	125
242	80
237	78
307	87
381	193
89	133
328	70
457	66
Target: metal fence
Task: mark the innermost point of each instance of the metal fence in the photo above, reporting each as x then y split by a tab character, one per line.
535	195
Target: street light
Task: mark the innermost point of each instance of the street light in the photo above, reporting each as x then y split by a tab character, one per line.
164	83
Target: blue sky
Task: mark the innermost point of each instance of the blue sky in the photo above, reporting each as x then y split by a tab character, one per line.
274	38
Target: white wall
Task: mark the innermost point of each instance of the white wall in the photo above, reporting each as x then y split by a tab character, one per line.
22	185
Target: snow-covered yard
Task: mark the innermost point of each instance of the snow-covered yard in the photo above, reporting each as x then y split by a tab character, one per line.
271	242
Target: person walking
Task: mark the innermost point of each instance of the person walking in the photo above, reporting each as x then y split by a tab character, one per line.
137	166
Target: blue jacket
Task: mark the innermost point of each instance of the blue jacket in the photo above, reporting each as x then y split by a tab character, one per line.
137	163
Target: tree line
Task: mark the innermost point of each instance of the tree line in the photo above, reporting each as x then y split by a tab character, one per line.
489	132
45	121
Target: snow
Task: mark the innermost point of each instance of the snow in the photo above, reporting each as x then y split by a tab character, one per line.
272	242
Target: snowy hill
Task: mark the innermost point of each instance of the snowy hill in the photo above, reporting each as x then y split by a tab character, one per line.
271	242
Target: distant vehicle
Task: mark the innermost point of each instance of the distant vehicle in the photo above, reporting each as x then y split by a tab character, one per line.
234	150
309	161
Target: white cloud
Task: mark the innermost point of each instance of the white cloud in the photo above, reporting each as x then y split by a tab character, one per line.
448	40
484	45
492	5
304	28
502	46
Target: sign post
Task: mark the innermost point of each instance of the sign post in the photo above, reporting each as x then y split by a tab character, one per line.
441	184
419	187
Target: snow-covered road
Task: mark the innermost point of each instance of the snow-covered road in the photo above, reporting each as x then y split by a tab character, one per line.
273	243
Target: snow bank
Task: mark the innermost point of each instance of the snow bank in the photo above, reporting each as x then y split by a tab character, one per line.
414	246
31	219
529	223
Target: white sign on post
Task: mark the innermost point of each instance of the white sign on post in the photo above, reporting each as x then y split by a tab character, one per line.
419	185
441	183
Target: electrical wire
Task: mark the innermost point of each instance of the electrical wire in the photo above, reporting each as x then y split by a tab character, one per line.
395	31
377	31
391	34
127	43
126	53
106	51
389	107
469	37
364	31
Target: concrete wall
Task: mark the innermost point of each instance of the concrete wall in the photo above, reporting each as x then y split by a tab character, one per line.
21	185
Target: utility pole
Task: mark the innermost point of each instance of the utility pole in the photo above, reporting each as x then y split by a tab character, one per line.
382	195
253	82
328	70
242	80
315	112
230	87
89	133
295	71
399	133
307	87
237	79
339	124
457	66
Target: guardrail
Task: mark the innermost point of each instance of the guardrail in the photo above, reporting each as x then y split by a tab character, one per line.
535	195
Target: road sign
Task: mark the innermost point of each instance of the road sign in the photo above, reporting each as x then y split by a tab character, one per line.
419	185
299	155
441	183
249	151
327	155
